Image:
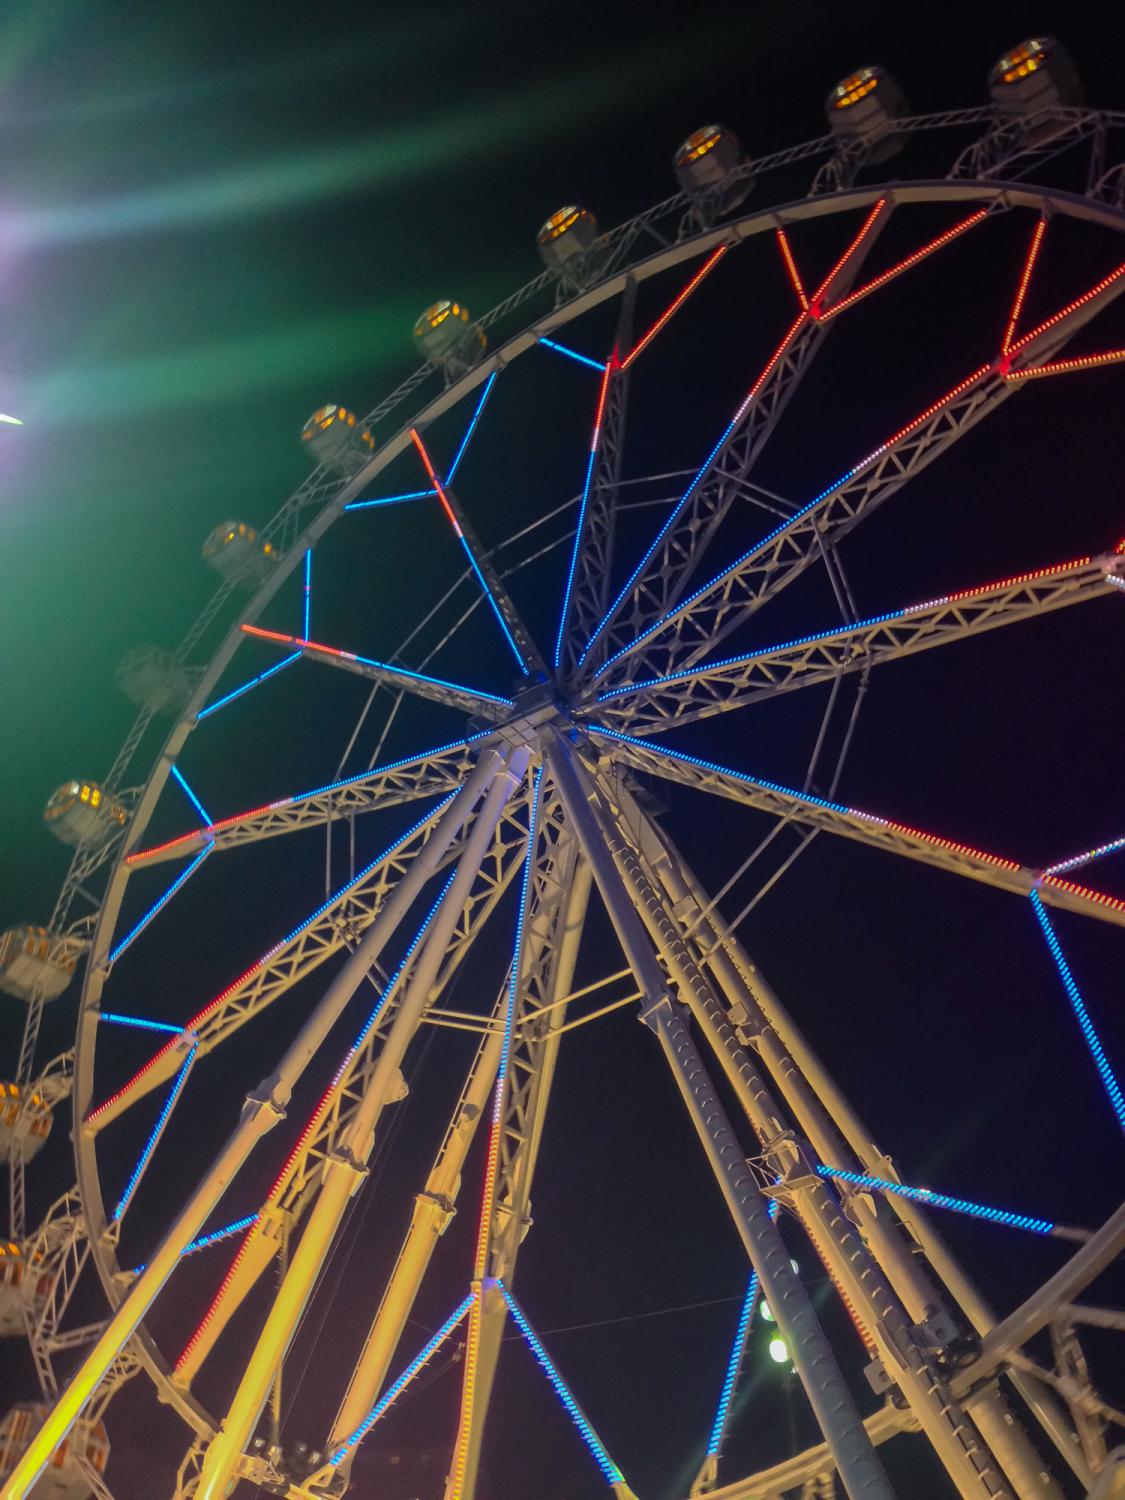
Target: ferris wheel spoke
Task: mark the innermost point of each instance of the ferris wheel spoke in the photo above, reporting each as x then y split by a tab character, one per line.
296	1185
868	828
468	700
665	569
718	687
428	775
511	624
350	912
686	633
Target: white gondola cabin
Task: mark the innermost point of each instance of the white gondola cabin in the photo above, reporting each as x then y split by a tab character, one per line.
82	812
862	110
238	553
1038	74
335	436
34	961
709	169
446	335
153	679
64	1478
25	1121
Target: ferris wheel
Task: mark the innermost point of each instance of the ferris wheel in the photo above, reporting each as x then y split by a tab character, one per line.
567	675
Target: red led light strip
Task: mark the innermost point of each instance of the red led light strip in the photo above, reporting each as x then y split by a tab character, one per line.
903	265
1099	898
1061	366
791	267
712	260
1064	312
794	327
1024	282
929	412
434	480
847	255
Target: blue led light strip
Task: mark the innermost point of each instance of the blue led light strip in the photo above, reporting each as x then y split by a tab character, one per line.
307	591
213	1238
472	427
583	359
737	1352
580	529
390	500
396	1389
112	1019
382	666
517	952
1077	1004
941	1200
159	906
246	686
496	610
157	1131
612	1473
192	798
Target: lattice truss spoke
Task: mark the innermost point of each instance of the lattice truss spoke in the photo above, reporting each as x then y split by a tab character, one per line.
526	817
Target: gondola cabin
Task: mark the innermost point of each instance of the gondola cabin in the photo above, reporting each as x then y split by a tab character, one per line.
25	1121
446	336
335	437
153	679
862	109
571	245
708	168
239	554
82	812
1038	74
63	1478
24	1289
34	961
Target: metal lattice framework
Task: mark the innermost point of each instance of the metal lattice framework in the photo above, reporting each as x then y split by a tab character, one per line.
541	805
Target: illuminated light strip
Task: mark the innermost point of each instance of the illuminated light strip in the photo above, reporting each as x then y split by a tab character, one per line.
1101	286
903	265
157	1131
706	668
673	307
940	1200
308	597
847	255
213	1238
1087	858
277	947
1024	282
246	686
283	802
396	1388
460	535
612	1473
480	1263
192	798
1081	1015
1099	898
583	359
794	274
611	366
785	525
390	500
159	905
691	489
369	661
111	1018
316	1119
996	860
472	427
737	1354
1062	366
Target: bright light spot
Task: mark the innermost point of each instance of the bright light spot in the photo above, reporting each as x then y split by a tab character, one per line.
796	1268
11	421
767	1312
779	1351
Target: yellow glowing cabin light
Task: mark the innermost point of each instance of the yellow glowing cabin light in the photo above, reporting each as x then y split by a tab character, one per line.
1025	59
698	144
559	223
855	88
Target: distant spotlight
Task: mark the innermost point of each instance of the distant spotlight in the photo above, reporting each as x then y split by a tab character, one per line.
11	421
779	1351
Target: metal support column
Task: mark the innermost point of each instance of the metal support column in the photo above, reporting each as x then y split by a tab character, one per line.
855	1458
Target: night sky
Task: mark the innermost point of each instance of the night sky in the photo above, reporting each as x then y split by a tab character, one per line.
214	220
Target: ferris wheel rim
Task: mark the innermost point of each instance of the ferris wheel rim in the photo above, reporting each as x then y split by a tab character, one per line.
1002	194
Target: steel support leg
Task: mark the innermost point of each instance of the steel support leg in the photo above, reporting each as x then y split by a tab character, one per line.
855	1458
345	1168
